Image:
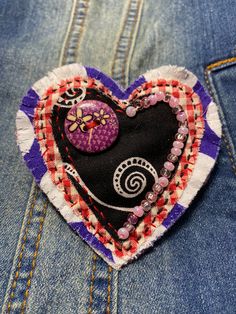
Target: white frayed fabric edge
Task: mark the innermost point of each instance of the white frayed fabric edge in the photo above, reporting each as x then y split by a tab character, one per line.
56	197
57	75
67	71
201	171
213	120
172	72
41	86
202	168
25	132
204	163
119	263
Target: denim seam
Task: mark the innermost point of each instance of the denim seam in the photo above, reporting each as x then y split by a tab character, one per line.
73	38
66	40
118	41
225	138
22	248
125	42
92	283
218	64
34	191
69	55
84	14
33	265
108	310
34	219
132	45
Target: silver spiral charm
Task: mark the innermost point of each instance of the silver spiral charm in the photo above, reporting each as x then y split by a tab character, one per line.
135	182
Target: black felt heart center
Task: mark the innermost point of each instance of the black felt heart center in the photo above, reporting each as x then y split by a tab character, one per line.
148	137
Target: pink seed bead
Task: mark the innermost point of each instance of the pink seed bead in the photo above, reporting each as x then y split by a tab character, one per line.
160	96
180	137
130	111
157	188
132	219
146	205
176	151
183	130
123	233
129	227
172	158
165	173
152	99
138	211
167	98
163	181
181	116
178	144
173	102
145	102
176	110
151	197
169	166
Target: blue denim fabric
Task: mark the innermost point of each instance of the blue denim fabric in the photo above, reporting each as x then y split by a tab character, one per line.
44	266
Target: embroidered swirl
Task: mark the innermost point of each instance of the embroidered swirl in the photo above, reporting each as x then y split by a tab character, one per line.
132	184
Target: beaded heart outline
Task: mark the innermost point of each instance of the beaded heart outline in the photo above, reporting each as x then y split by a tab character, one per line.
203	122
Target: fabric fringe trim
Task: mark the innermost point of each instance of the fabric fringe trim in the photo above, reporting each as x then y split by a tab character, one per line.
205	161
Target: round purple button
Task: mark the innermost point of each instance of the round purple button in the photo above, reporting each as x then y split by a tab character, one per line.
91	126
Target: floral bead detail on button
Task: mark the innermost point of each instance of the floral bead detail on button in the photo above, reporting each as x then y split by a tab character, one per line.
87	121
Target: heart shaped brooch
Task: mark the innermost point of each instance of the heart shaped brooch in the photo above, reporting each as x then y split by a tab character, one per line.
121	166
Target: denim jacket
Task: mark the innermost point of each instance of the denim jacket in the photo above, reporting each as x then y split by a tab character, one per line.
44	266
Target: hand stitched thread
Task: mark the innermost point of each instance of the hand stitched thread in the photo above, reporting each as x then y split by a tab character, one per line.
93	208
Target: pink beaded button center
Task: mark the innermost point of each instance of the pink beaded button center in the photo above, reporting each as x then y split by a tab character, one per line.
91	126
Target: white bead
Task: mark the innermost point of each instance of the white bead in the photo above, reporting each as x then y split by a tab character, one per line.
130	111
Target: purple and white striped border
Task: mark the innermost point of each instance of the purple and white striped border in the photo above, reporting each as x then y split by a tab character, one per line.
30	148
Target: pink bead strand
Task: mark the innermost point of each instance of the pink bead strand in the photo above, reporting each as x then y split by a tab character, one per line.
176	151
